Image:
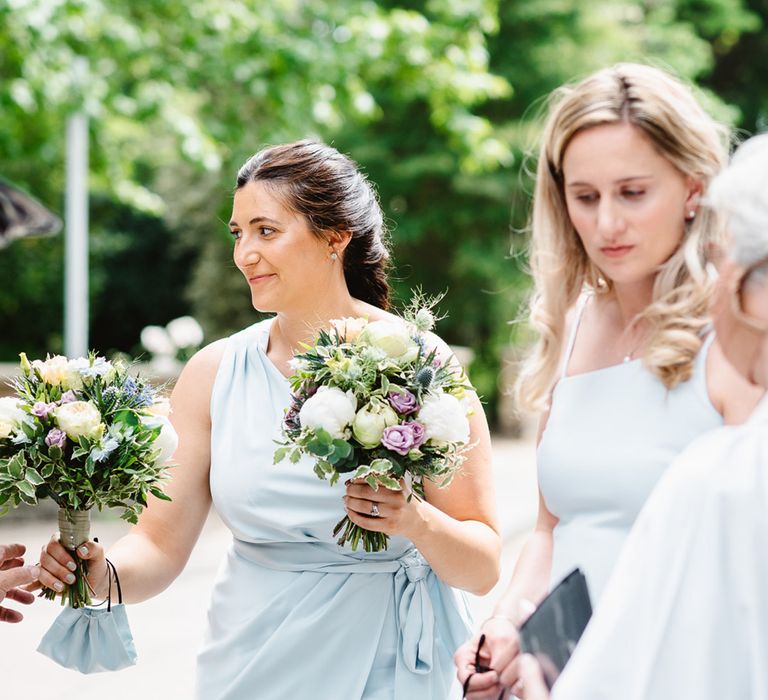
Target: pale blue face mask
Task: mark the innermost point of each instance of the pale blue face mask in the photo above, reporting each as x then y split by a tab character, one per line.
91	640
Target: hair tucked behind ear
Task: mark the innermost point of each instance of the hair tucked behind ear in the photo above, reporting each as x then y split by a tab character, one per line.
329	190
670	116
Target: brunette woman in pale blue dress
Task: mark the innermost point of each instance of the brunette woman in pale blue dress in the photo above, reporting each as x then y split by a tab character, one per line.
294	615
627	371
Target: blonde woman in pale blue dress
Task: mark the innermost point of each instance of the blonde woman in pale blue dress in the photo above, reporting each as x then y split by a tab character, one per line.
627	371
294	615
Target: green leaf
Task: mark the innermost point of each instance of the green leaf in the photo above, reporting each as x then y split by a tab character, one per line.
25	487
295	456
26	498
389	482
362	471
372	481
16	465
381	466
280	454
158	493
33	477
317	446
47	470
127	418
319	471
341	448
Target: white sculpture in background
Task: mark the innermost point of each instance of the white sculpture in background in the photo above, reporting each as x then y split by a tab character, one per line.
171	345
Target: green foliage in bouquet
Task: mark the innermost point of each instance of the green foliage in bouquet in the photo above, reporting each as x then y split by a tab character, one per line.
374	399
85	434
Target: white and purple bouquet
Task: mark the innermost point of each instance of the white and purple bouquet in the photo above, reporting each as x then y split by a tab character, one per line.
84	433
375	400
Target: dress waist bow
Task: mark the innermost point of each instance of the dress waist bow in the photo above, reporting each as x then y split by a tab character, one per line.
413	578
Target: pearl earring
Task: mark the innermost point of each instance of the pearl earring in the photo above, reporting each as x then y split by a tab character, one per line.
691	215
334	256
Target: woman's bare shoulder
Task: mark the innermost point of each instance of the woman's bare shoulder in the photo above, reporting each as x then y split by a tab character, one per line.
198	375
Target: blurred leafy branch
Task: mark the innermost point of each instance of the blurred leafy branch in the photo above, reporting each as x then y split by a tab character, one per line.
437	99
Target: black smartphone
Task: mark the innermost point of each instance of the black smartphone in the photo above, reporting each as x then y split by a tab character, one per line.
555	627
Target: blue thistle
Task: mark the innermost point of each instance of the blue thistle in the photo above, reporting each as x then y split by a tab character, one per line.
425	376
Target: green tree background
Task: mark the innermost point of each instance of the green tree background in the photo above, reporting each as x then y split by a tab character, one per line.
438	100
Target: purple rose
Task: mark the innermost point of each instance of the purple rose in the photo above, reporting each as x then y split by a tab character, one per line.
67	397
419	433
42	409
403	438
56	438
403	402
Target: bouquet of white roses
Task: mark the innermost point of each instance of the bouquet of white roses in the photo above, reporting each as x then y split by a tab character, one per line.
86	434
373	398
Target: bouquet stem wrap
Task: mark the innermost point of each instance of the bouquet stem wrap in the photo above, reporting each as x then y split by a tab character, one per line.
74	530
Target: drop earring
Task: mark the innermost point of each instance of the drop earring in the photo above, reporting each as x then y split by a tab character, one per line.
691	215
334	256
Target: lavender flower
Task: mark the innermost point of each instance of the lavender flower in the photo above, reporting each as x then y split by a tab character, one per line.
403	438
67	397
56	438
404	402
42	409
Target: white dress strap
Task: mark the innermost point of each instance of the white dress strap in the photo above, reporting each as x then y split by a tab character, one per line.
580	305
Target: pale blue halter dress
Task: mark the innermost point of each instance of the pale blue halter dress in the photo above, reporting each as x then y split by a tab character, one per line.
610	435
293	615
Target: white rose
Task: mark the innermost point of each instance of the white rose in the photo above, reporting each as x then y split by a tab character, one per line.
331	409
185	332
167	441
444	419
391	337
370	422
53	370
79	419
11	416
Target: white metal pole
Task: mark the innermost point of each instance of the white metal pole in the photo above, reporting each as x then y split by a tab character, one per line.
76	235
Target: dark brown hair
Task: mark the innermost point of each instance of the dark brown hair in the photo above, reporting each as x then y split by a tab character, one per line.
328	189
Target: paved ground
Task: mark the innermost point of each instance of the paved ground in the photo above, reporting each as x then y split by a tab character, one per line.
168	629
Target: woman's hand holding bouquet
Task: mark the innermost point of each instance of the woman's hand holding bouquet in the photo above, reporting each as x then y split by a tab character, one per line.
375	401
84	433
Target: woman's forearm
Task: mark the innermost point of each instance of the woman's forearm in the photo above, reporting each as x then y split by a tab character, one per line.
465	554
144	568
530	579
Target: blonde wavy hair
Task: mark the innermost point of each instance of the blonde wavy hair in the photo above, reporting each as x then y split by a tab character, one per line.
668	113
